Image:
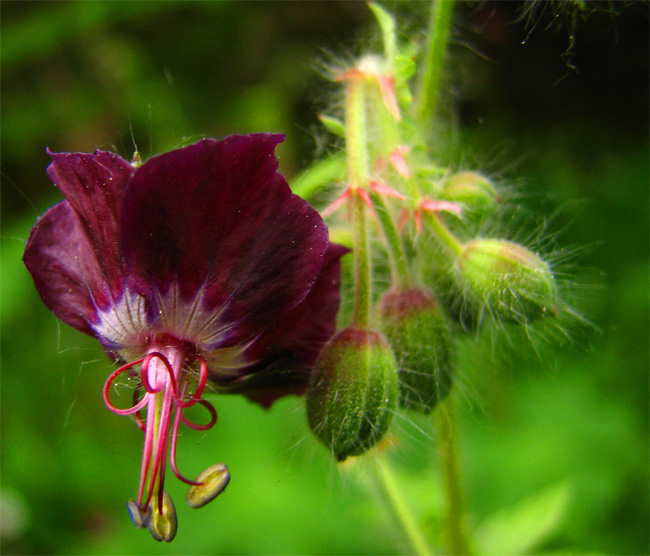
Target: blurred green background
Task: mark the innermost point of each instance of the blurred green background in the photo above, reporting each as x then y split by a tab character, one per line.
86	75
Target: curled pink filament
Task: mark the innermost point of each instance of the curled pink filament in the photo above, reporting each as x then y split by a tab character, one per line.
163	391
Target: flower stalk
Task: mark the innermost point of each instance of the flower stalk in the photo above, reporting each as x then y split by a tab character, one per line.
357	158
399	507
442	234
437	38
456	540
398	263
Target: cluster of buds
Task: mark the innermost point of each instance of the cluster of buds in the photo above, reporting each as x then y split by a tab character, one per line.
398	350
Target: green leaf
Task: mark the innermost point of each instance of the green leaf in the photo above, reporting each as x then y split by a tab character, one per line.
333	125
404	68
387	26
320	175
518	530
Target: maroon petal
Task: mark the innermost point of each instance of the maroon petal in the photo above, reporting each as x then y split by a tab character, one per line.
302	333
213	229
94	185
283	356
64	267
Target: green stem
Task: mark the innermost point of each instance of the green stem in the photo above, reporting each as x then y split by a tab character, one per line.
361	317
456	540
319	175
438	36
444	236
399	507
399	267
357	156
355	132
386	133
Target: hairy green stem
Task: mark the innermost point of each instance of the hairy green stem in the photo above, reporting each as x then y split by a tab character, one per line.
456	541
438	36
427	102
357	156
361	317
398	264
398	506
355	132
443	235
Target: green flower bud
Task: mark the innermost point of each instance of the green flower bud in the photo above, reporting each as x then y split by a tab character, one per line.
512	281
417	330
353	392
470	189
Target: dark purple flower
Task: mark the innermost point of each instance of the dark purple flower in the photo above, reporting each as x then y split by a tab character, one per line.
198	265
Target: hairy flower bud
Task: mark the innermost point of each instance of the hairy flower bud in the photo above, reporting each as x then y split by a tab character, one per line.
470	189
418	332
353	392
512	281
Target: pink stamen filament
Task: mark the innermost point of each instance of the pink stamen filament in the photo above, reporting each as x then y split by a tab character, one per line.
138	417
172	455
161	438
209	425
109	383
178	417
165	402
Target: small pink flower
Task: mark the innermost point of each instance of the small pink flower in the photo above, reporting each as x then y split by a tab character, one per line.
438	206
387	87
384	189
398	161
377	187
368	69
435	207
